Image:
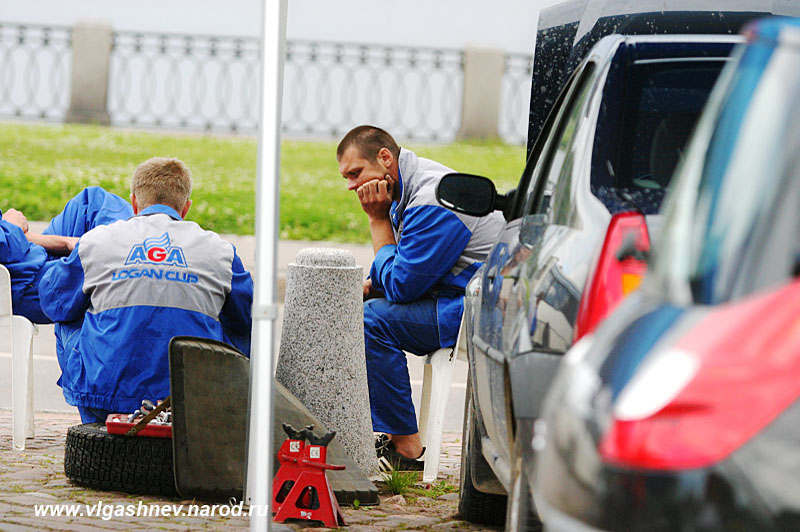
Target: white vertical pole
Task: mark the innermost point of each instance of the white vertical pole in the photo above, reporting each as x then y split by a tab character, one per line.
265	310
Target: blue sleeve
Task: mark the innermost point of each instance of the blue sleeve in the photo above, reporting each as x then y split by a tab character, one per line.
14	244
236	317
432	241
61	289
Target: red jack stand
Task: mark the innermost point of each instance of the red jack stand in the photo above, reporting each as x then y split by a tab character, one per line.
310	497
289	456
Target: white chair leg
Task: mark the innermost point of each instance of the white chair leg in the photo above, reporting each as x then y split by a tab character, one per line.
22	381
441	368
425	401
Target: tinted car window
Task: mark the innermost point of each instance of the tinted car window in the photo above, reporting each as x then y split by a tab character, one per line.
736	225
554	200
552	196
649	110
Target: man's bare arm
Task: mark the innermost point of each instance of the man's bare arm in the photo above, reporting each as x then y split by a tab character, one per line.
382	234
56	244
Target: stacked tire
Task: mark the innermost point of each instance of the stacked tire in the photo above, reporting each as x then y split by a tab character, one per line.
114	462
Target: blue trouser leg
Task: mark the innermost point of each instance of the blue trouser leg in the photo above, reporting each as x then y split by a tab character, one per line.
91	207
390	329
28	305
92	415
67	334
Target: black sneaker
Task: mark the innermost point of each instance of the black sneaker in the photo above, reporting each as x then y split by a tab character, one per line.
390	460
381	440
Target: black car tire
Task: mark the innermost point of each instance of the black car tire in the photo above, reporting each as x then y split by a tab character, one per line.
133	464
521	515
475	506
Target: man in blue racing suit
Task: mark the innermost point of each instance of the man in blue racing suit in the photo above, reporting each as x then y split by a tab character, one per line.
26	254
140	282
424	256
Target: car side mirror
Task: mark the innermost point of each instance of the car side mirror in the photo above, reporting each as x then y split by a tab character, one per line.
532	230
469	194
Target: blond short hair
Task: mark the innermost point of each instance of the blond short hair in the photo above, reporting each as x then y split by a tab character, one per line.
161	180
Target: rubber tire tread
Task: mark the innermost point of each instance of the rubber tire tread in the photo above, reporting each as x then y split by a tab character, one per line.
473	505
134	464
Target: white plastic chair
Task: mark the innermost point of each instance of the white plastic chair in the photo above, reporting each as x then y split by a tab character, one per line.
21	332
436	382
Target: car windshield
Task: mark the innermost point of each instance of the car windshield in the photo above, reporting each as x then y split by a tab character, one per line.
649	109
733	226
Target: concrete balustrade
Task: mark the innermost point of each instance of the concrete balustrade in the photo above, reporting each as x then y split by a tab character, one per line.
91	57
483	76
483	71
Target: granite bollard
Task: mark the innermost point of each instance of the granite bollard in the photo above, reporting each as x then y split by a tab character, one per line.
321	359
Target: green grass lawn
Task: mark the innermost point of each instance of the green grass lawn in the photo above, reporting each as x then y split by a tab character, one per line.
41	166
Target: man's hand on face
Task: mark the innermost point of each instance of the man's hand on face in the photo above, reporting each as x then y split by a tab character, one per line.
376	197
17	218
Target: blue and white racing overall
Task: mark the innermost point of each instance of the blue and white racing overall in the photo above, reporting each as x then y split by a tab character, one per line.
140	282
423	279
26	262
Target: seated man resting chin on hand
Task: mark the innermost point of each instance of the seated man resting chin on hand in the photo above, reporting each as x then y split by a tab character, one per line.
140	282
424	256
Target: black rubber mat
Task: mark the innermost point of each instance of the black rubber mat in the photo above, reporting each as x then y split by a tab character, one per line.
209	388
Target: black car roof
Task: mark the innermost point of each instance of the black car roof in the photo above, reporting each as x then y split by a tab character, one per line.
568	30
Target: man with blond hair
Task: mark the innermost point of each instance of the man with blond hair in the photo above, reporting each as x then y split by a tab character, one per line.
140	282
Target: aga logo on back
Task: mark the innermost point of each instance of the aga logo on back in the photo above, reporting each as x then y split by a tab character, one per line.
157	250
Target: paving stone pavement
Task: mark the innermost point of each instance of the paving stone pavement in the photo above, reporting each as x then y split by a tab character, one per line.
35	476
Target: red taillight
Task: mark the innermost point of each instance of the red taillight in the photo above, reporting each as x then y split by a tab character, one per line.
716	387
612	279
